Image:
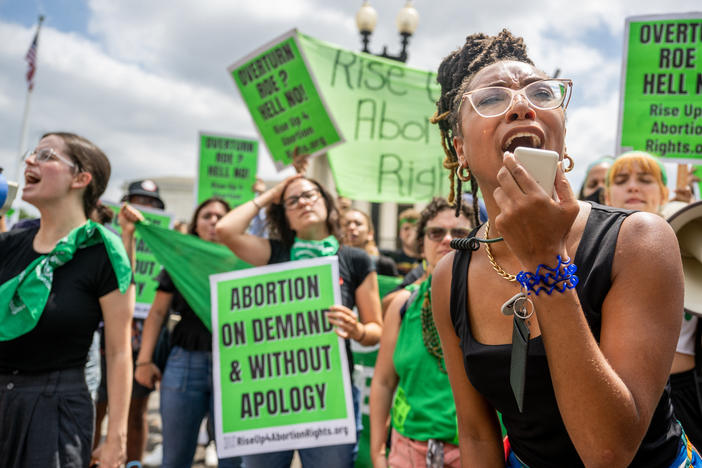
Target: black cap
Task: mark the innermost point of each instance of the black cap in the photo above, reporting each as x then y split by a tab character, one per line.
144	188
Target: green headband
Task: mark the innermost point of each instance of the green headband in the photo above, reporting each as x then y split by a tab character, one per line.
664	174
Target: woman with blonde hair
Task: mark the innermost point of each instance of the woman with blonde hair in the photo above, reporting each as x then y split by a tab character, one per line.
638	181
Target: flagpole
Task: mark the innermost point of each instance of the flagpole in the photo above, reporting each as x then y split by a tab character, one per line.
25	122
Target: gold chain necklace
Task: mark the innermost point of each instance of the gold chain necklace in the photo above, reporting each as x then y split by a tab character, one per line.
494	264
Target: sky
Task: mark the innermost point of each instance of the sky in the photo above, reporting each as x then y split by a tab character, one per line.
142	78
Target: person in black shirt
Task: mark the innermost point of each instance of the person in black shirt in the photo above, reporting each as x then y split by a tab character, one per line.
359	232
581	380
304	223
186	384
406	258
46	412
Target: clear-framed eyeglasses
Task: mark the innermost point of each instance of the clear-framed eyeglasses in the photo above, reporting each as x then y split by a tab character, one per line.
45	155
494	101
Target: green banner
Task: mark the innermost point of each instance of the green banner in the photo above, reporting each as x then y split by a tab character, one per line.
283	100
280	372
226	168
190	261
392	152
661	107
146	267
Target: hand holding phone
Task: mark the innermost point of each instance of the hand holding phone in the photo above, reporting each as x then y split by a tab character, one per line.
540	164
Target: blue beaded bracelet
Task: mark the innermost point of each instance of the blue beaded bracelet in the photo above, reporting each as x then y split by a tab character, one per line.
547	279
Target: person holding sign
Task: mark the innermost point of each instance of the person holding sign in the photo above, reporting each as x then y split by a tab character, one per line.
410	363
186	385
637	181
58	280
549	313
304	223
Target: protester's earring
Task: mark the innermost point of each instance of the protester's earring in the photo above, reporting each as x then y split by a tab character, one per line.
571	163
463	173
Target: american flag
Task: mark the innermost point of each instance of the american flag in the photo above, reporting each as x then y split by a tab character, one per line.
31	59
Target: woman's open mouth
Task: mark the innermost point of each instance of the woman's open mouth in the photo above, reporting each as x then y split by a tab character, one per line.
528	139
30	178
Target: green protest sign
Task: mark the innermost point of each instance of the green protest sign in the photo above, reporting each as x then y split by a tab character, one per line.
146	267
660	101
392	152
226	168
281	378
282	97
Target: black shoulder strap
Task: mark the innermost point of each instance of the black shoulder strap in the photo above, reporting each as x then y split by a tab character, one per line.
405	306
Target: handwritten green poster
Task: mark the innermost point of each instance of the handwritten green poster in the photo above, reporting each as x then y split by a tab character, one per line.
661	96
146	267
282	97
281	378
392	152
226	168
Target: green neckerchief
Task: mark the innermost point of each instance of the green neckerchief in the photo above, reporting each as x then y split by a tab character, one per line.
23	298
314	248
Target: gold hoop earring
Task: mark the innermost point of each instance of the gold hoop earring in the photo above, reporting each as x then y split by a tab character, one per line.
571	163
463	177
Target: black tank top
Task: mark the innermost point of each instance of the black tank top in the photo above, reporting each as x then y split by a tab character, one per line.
538	436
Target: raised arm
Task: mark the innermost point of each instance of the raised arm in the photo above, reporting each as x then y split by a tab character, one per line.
478	428
117	311
384	382
127	217
231	229
606	394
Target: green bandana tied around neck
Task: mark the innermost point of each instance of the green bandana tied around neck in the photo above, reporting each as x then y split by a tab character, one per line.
302	249
23	298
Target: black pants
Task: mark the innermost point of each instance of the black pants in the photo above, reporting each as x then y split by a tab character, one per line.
686	405
46	420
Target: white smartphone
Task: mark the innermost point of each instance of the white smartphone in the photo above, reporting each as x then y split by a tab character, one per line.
540	164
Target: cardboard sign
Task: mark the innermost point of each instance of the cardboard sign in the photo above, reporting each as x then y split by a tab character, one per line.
280	372
226	168
661	91
146	267
282	97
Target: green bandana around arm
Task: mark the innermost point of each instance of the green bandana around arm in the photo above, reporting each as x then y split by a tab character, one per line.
302	249
23	297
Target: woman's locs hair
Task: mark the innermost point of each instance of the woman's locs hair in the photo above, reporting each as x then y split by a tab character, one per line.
454	75
88	158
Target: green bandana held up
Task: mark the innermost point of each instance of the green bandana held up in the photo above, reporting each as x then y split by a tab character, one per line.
22	298
302	249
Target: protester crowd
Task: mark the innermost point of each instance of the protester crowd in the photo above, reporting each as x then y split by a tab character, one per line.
592	364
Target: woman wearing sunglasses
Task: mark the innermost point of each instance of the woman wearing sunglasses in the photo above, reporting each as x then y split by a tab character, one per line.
304	223
58	280
576	361
410	365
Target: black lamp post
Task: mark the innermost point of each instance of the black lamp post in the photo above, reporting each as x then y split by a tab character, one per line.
407	21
